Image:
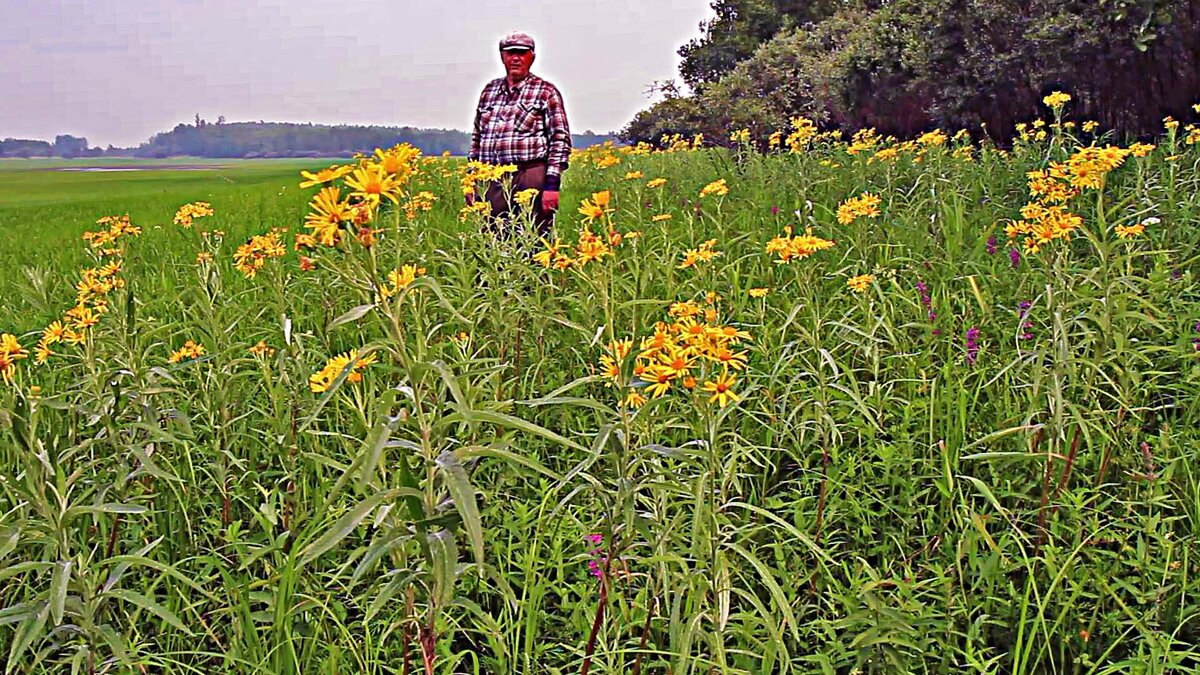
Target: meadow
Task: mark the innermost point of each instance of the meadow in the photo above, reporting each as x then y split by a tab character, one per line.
801	404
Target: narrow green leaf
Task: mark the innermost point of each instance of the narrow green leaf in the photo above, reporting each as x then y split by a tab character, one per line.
149	605
58	590
344	526
352	315
454	476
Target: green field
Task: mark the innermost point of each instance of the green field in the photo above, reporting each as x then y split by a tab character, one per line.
944	452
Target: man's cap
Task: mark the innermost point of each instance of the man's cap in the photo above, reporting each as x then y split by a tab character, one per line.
516	41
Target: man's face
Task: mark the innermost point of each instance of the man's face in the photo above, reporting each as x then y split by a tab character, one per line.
517	62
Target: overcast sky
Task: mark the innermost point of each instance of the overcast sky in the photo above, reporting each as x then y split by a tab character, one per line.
118	71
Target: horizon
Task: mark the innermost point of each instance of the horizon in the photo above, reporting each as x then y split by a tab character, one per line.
118	75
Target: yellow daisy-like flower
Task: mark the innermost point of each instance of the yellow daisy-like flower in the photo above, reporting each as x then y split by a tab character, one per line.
324	175
1131	231
189	350
329	211
596	207
661	217
865	205
633	175
758	292
525	197
717	187
860	283
656	183
721	390
322	380
1057	99
634	400
11	351
372	184
261	349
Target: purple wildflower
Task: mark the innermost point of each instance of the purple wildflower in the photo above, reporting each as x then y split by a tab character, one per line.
1026	324
599	560
1196	340
972	344
1014	257
991	245
927	301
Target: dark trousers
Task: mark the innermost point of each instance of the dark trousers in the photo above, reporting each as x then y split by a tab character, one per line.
529	175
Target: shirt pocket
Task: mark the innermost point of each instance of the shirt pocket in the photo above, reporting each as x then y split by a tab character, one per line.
485	115
531	118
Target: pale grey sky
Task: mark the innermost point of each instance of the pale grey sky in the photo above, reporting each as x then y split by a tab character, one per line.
118	71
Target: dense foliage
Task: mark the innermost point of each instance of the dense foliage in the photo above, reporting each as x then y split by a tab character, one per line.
907	66
848	406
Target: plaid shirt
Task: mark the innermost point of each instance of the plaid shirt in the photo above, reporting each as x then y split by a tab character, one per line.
522	123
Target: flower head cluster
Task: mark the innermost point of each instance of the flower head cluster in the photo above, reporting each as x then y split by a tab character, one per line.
105	241
680	352
589	247
788	247
596	207
803	131
323	379
1057	100
91	302
865	205
190	350
422	201
474	174
1131	231
374	179
400	279
252	256
704	253
860	283
864	140
188	213
598	559
972	344
11	351
717	187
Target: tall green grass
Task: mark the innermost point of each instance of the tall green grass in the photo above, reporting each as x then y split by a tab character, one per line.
880	500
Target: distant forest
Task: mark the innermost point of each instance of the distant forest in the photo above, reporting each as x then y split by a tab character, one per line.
264	139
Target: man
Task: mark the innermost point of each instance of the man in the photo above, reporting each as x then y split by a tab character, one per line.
521	120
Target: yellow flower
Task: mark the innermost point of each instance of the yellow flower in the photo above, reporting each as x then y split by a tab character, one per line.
324	175
188	212
634	400
203	257
552	256
758	292
261	349
740	136
372	184
656	183
661	217
322	380
1130	231
525	197
329	211
596	207
11	351
721	390
252	256
1056	100
865	205
717	187
860	283
633	175
1090	126
189	350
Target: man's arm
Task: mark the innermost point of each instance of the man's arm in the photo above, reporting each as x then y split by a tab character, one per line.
474	152
560	140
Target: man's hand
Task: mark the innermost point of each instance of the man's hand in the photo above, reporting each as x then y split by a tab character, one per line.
550	200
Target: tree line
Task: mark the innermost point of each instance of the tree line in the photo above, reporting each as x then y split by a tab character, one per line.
906	66
264	139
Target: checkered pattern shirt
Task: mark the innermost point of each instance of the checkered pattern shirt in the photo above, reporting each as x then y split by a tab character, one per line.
522	123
